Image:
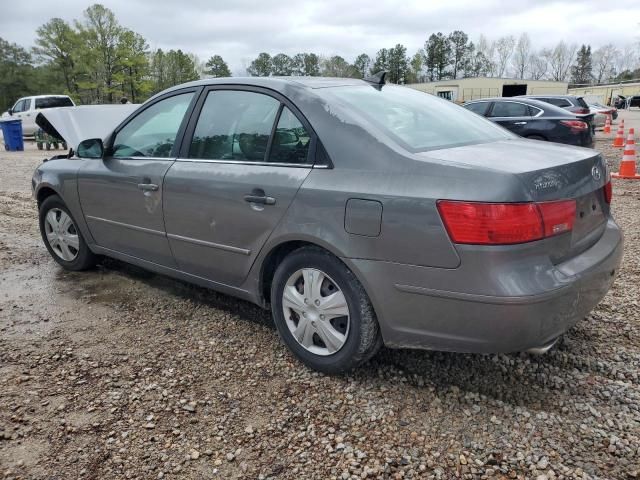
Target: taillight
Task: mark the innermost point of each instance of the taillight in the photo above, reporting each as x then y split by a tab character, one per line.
575	125
505	223
583	111
608	192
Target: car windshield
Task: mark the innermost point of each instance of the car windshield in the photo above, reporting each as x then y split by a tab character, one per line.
416	120
53	102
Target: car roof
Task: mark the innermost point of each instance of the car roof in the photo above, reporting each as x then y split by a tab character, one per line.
547	107
278	82
46	96
550	96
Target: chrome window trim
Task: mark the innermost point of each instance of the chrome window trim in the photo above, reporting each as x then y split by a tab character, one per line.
247	162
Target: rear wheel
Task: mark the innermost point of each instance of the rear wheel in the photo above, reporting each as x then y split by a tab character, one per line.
62	237
322	312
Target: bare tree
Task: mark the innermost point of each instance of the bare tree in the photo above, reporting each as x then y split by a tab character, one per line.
488	50
538	65
521	55
560	60
504	49
603	62
628	59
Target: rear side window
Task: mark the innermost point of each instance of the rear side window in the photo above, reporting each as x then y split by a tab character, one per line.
53	102
509	109
291	140
479	107
235	125
415	120
559	102
153	131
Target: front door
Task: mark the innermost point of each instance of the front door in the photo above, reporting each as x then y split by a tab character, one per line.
121	194
248	155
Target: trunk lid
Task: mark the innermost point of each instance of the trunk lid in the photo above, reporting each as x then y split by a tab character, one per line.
547	172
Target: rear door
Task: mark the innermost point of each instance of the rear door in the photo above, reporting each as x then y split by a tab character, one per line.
243	160
121	194
514	116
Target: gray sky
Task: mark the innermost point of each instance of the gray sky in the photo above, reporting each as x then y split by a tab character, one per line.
240	29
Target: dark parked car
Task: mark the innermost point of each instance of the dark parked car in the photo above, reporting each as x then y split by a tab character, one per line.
572	103
534	119
361	213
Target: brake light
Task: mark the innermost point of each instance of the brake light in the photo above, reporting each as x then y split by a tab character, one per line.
505	223
608	192
575	125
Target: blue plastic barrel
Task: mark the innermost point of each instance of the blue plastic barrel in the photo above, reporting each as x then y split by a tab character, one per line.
12	134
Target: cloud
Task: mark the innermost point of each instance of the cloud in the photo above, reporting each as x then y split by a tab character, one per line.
240	29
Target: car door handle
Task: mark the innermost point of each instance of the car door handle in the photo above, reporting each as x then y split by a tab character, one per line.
148	187
263	199
519	123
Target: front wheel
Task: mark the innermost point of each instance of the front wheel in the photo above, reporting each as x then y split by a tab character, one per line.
62	237
322	312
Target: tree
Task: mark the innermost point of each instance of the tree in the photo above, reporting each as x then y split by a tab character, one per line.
337	66
281	65
581	71
437	52
475	64
134	66
538	65
459	42
381	62
261	66
57	43
307	64
504	49
560	60
15	73
100	34
398	64
603	60
217	67
171	68
521	55
488	50
414	75
362	64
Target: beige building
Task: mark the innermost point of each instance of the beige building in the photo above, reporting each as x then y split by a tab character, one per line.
462	90
606	93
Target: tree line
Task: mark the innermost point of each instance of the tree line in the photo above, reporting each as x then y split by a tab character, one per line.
97	60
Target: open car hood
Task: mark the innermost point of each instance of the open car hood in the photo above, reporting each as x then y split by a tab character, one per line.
75	124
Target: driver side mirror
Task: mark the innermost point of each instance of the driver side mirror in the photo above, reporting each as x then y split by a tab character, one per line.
92	148
10	111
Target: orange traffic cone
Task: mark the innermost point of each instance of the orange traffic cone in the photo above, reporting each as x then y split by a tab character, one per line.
628	163
619	140
607	124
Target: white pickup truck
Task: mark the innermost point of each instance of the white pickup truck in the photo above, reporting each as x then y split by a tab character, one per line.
27	109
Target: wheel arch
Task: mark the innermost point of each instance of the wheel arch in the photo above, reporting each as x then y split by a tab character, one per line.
45	192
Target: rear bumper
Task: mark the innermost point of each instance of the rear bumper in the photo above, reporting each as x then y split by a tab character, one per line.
508	308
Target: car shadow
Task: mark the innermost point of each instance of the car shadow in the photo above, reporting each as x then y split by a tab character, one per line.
519	379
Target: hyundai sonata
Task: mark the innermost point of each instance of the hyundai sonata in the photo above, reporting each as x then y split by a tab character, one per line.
362	213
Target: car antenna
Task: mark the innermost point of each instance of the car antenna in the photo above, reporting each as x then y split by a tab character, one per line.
377	78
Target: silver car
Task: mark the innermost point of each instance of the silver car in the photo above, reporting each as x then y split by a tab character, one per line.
362	213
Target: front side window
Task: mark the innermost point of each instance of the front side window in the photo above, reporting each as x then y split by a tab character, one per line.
415	120
509	109
27	105
291	140
18	107
479	107
234	125
152	133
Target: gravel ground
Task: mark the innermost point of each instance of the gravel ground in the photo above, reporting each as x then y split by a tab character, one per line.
120	373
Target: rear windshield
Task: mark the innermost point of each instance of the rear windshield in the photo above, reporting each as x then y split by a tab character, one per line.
53	102
416	120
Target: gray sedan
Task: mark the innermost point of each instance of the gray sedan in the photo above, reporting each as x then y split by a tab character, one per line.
362	213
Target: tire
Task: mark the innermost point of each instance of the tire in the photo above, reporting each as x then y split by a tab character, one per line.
47	145
359	340
39	144
82	258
